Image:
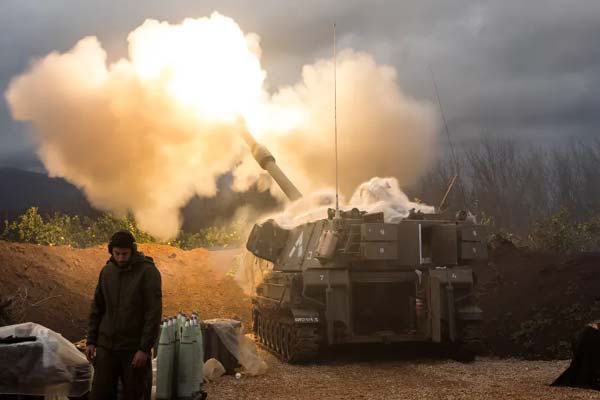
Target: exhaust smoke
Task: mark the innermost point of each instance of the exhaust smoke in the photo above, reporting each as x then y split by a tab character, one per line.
375	195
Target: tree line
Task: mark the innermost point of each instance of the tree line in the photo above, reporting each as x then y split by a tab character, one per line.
547	197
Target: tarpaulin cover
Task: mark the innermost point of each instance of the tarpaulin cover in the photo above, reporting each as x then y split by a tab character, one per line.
50	365
230	333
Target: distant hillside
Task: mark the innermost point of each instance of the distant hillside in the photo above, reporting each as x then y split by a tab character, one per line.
23	189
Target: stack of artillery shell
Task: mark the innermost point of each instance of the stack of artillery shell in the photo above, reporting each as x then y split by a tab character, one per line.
180	358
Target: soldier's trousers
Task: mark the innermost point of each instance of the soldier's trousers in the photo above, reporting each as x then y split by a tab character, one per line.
110	366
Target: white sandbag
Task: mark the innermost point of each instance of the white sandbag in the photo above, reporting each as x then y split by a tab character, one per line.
248	357
212	369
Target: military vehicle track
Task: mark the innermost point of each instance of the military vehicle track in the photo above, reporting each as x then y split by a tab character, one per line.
472	337
470	344
472	333
290	342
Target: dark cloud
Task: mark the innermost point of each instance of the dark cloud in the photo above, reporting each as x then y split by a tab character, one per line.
526	69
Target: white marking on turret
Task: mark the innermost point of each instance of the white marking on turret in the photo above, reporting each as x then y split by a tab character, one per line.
298	245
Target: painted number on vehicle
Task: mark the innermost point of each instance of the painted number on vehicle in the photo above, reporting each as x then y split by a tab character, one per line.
306	320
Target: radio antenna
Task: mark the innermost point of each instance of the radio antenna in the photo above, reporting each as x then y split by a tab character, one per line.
439	101
337	202
453	153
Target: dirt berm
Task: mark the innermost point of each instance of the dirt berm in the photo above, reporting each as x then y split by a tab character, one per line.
533	302
53	286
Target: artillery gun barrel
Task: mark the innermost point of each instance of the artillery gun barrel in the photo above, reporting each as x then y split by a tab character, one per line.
265	159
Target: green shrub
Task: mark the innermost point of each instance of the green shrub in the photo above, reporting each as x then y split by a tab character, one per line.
61	229
223	236
561	233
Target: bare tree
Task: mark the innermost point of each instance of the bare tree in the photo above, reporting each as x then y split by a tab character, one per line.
518	185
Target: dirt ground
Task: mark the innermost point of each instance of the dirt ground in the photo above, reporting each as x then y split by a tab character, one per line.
533	304
395	376
53	286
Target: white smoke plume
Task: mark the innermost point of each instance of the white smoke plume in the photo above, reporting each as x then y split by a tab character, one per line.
146	133
376	195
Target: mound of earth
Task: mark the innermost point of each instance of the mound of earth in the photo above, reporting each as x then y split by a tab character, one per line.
535	303
53	286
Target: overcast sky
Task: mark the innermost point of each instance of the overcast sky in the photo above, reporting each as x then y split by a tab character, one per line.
525	69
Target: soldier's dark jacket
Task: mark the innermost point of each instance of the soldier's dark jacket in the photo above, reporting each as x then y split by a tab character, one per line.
127	306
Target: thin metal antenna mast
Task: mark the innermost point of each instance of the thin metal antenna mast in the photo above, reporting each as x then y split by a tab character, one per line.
437	95
454	159
337	204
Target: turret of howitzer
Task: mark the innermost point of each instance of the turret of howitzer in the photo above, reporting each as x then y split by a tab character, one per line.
265	159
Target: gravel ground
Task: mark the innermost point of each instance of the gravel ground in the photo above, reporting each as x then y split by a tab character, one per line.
417	378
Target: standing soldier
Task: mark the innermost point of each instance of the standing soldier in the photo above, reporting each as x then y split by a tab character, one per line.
124	321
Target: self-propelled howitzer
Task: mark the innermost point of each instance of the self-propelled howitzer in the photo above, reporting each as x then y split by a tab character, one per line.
355	278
